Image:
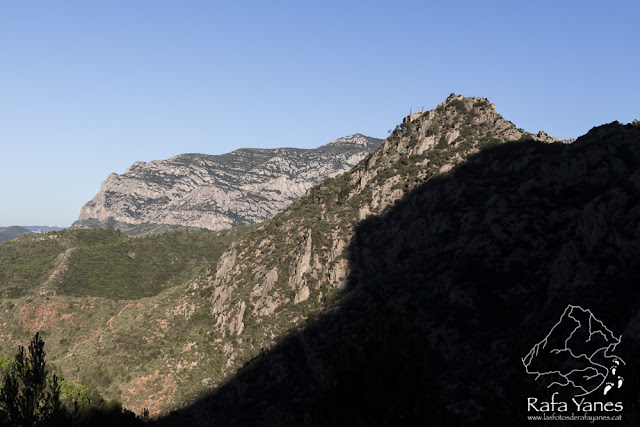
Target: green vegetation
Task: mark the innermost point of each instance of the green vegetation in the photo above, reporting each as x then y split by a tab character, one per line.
526	137
31	396
459	105
10	233
25	262
107	263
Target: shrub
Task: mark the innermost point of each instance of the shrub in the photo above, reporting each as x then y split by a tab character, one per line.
30	396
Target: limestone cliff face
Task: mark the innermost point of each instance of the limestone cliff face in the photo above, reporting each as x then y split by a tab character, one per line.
216	192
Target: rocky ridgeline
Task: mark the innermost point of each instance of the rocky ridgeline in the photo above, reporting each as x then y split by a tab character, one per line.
489	256
338	238
283	251
475	248
215	192
433	142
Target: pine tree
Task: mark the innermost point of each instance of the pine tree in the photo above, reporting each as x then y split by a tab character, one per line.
29	397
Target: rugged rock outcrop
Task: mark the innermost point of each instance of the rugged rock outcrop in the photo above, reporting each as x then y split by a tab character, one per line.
215	192
451	250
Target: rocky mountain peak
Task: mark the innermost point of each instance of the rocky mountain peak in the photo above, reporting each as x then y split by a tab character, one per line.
460	238
208	192
316	227
134	166
435	141
353	140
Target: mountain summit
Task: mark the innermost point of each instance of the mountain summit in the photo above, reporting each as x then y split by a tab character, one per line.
411	287
215	192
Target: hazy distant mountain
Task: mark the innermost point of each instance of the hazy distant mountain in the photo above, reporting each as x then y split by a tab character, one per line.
10	233
42	228
200	191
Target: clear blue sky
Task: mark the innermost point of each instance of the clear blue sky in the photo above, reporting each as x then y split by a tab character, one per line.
89	87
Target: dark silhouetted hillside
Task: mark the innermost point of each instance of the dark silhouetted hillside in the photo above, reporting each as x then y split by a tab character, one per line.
451	287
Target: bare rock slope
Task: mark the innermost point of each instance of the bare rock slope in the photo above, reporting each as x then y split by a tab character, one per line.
216	192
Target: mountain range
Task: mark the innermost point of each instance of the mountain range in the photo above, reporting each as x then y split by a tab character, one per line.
405	291
205	192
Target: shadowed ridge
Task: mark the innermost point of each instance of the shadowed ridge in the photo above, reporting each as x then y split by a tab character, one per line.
451	287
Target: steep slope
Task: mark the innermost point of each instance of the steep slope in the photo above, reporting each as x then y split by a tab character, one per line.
294	265
445	291
200	191
301	255
114	309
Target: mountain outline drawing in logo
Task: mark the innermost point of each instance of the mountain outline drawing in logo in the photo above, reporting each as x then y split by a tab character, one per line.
577	355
